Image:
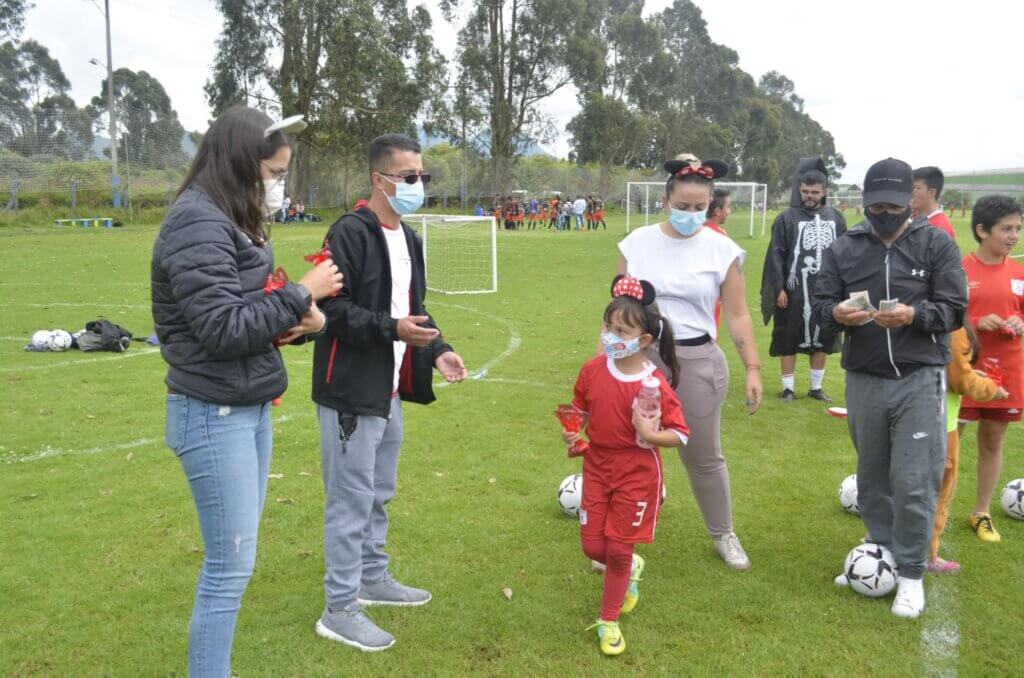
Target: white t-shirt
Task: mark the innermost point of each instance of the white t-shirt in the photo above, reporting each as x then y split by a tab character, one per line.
580	206
401	281
687	274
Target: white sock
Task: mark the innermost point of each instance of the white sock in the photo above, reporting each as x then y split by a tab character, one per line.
817	376
788	381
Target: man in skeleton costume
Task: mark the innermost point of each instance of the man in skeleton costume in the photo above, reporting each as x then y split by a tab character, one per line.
799	237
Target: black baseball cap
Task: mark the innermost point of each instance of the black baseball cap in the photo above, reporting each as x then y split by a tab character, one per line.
890	181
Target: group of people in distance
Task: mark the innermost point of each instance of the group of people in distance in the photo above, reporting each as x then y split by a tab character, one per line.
894	285
552	213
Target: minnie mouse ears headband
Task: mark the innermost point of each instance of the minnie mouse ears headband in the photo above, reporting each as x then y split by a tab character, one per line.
641	290
709	169
290	125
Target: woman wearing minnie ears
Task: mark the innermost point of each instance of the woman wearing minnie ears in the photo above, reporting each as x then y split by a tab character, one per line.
622	476
692	268
217	326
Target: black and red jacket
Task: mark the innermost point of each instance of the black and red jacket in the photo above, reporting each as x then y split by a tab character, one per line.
354	360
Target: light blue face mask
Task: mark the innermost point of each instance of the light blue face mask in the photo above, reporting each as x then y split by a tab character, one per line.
408	197
687	223
615	347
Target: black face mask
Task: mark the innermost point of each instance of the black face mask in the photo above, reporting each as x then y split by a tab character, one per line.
886	223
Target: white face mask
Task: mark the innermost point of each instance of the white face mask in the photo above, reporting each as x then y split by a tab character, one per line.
273	194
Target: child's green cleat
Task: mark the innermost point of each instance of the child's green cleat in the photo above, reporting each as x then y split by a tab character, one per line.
633	592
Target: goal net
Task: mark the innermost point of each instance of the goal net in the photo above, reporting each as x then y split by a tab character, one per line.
749	203
461	252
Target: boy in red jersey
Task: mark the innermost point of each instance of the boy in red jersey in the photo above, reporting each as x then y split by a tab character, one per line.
622	470
924	199
995	305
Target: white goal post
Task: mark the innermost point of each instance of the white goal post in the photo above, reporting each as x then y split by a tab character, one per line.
642	196
460	252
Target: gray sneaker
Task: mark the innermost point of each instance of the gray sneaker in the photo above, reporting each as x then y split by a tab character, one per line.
352	627
387	591
732	552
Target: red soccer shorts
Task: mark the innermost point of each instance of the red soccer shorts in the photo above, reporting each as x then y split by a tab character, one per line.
621	495
969	414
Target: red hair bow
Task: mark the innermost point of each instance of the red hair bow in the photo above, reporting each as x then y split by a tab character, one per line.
702	170
628	287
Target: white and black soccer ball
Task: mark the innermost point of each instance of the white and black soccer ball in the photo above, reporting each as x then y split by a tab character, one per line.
1012	499
41	340
570	495
848	494
871	570
60	340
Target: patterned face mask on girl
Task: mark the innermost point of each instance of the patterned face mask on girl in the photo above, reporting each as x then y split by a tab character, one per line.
616	348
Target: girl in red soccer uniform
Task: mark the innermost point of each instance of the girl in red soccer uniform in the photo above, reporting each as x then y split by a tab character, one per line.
622	478
995	306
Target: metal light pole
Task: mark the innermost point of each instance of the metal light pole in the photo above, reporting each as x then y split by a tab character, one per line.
115	177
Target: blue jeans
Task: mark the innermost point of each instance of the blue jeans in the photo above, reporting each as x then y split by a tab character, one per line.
579	221
225	453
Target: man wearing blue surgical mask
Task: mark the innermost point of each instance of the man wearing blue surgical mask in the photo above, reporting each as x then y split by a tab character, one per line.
379	348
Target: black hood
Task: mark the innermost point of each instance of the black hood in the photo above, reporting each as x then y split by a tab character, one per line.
805	165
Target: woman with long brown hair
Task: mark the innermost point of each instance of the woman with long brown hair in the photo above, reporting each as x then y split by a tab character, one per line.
217	315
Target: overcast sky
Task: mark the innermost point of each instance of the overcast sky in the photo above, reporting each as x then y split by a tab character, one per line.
937	82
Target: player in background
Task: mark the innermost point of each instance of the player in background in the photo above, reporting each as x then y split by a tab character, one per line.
719	210
599	214
924	200
622	470
996	307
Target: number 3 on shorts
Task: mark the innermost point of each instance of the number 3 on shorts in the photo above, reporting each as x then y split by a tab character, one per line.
642	506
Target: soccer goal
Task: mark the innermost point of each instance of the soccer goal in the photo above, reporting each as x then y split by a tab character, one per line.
461	252
643	203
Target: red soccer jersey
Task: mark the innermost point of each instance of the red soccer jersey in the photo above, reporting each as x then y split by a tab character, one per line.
939	220
999	289
606	395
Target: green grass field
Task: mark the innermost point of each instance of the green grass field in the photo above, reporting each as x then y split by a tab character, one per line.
100	549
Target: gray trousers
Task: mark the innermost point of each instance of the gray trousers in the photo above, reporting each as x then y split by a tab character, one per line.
703	385
899	429
359	480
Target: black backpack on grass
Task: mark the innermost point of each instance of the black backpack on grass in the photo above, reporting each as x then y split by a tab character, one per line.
103	335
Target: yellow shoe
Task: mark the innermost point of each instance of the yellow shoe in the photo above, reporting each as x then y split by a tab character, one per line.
633	592
612	642
981	523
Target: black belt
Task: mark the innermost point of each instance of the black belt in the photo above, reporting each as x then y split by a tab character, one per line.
694	341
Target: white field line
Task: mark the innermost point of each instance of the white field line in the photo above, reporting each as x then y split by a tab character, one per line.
48	452
71	363
940	633
70	304
514	340
19	283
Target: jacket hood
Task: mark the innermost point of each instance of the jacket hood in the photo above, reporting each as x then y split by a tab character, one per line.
807	164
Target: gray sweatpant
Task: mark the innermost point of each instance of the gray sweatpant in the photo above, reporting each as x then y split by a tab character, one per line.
359	480
899	429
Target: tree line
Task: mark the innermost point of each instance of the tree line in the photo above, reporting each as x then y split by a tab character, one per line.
648	87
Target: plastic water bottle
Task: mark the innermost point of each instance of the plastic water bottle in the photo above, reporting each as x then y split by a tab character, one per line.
648	403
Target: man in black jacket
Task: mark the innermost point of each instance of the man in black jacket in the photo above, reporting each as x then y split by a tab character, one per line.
379	347
895	360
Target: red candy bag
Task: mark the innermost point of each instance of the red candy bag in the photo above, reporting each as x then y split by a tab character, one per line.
275	281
